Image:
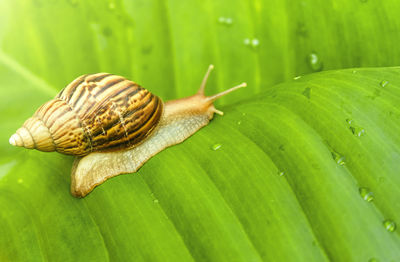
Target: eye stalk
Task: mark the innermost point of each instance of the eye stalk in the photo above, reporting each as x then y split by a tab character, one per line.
216	96
199	103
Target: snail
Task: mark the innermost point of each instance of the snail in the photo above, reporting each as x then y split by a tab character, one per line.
112	126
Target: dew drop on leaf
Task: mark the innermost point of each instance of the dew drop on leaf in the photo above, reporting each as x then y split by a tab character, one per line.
361	132
366	194
225	20
339	159
390	225
228	21
314	62
384	83
255	42
296	77
281	173
215	147
355	129
155	201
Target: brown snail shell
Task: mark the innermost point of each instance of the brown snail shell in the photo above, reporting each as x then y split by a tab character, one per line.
95	112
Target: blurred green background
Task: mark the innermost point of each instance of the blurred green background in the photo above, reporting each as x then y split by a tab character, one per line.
292	180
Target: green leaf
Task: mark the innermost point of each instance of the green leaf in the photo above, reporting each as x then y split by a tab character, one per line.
306	170
271	189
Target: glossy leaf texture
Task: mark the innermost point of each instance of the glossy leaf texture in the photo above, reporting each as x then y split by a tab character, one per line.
306	170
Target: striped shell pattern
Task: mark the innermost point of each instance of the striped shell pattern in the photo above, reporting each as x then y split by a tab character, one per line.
96	112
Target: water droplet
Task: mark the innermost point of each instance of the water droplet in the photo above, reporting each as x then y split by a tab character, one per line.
255	42
366	194
307	92
216	147
296	77
20	181
384	83
239	122
339	159
355	129
281	173
354	71
225	20
243	114
111	5
390	225
360	132
155	201
314	62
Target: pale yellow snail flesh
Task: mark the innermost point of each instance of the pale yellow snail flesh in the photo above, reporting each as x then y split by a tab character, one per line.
112	126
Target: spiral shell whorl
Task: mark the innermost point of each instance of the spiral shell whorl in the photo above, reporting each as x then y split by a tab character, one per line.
97	112
33	135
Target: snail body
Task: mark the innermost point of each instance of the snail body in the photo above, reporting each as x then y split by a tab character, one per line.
112	126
